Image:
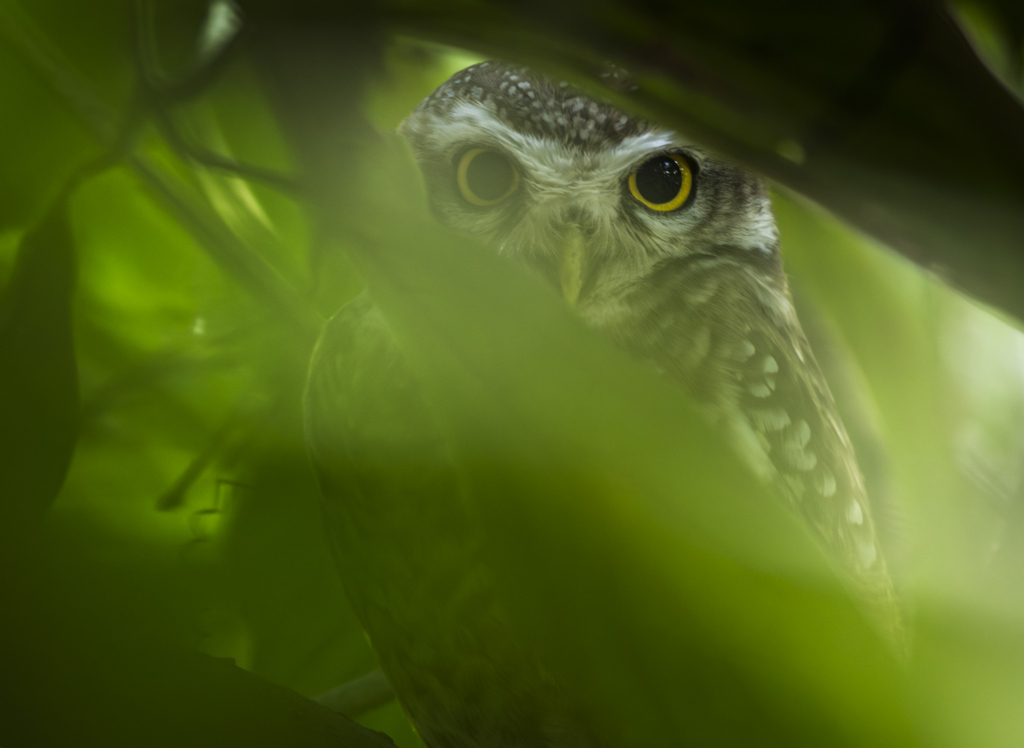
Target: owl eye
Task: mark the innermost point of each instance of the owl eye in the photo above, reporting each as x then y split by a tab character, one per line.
662	183
486	177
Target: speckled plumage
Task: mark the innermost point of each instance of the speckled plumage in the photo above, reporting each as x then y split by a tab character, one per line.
698	292
532	105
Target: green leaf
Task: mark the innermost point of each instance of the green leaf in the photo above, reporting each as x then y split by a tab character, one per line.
38	376
639	555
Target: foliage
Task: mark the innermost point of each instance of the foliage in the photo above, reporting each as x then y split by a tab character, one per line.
188	521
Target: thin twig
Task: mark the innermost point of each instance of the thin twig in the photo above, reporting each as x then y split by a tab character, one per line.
162	91
189	152
174	496
226	248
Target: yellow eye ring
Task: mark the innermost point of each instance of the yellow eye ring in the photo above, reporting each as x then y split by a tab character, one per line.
489	175
657	177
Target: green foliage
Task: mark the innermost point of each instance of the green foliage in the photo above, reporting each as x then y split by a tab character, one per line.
38	384
597	517
643	562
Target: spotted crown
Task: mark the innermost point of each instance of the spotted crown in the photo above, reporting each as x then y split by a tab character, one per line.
534	105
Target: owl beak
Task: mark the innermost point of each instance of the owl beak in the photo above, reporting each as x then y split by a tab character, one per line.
571	266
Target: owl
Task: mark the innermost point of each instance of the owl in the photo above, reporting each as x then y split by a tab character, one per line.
665	248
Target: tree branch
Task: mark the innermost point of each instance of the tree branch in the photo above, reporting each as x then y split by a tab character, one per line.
188	152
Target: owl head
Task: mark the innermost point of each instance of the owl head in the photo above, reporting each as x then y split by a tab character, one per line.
532	165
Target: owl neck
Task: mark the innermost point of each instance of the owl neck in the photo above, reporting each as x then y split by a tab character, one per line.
617	293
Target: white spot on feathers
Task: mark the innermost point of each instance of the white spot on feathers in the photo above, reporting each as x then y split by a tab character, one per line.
801	459
769	419
854	513
704	293
826	484
759	389
802	433
794	450
866	553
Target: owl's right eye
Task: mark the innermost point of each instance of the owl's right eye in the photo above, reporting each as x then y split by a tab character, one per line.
662	183
486	177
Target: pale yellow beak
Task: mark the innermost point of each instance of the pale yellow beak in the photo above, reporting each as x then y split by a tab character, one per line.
571	266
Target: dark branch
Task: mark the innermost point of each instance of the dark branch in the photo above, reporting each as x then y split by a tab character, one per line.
189	152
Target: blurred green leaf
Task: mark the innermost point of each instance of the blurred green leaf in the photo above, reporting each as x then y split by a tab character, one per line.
582	488
73	674
575	454
38	379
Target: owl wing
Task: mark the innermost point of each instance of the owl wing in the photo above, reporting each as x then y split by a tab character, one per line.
784	398
411	553
729	333
389	488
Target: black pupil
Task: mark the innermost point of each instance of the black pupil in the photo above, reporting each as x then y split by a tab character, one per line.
659	180
489	175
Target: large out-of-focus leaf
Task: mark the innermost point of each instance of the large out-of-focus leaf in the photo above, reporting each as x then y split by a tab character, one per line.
967	674
72	676
49	147
38	377
620	524
280	580
647	564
